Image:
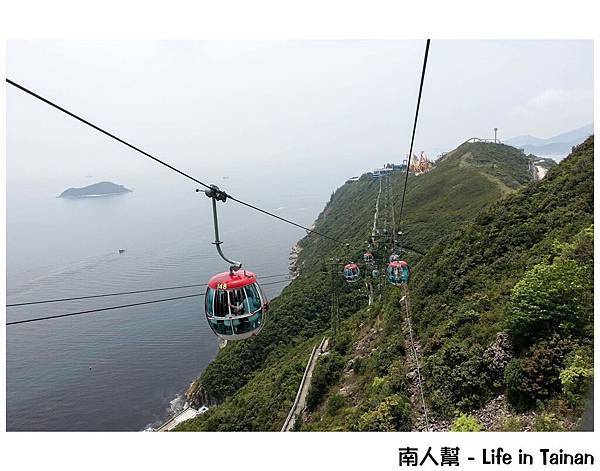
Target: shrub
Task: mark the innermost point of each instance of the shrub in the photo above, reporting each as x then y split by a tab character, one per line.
387	353
535	377
397	377
466	423
392	414
342	343
335	403
577	376
548	299
581	249
359	365
547	422
512	424
326	373
497	356
541	369
458	378
377	382
513	379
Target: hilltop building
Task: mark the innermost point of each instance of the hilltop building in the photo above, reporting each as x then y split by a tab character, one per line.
388	169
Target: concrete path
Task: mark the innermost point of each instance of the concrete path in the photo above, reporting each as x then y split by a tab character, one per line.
300	401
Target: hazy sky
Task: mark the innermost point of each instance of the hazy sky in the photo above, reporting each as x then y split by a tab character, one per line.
243	107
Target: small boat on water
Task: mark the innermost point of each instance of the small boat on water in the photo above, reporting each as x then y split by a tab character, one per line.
121	250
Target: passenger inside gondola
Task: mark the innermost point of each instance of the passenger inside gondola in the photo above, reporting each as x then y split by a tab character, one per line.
221	303
252	299
236	302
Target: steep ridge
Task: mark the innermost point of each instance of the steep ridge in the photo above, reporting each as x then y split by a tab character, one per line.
504	312
465	180
480	296
438	203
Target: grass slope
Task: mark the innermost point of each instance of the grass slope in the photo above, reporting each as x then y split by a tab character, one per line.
466	180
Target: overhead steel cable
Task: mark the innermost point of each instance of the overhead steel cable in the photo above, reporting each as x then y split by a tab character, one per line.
121	306
122	293
36	319
103	131
412	140
205	185
156	159
283	219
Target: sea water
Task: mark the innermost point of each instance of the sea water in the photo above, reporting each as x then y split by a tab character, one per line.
126	369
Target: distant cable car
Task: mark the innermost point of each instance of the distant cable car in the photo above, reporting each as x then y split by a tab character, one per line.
375	273
368	257
398	272
235	305
394	258
405	271
351	272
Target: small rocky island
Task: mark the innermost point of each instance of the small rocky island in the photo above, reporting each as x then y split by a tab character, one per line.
97	189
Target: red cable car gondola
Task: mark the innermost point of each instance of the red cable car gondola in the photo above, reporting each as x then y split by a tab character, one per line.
351	272
368	257
398	272
235	305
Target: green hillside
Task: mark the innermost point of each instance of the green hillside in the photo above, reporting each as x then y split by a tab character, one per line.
464	181
437	203
524	267
253	381
503	308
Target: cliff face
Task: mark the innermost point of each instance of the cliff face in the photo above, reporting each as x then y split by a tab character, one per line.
365	376
197	396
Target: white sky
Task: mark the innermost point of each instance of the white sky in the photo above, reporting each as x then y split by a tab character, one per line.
339	107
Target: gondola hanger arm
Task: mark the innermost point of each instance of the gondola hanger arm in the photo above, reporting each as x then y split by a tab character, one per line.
215	194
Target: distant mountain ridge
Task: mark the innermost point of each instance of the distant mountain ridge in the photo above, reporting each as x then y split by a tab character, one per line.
97	189
559	145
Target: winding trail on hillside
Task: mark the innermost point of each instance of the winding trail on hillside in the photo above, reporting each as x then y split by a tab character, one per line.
417	398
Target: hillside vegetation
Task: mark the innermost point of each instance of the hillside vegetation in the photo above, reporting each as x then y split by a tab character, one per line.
516	285
361	384
437	203
466	180
503	309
